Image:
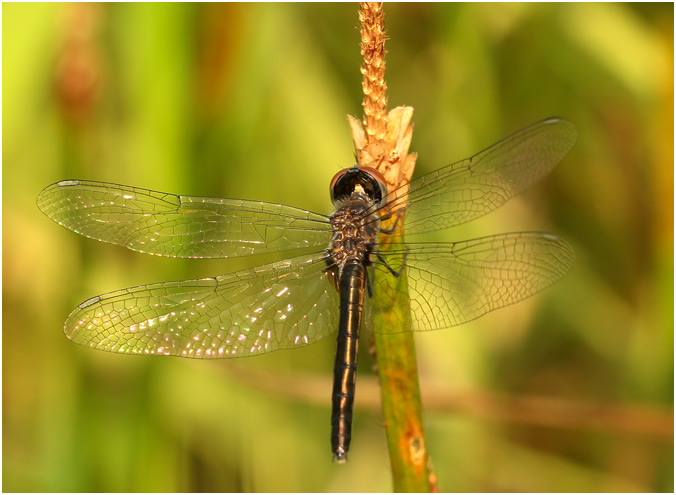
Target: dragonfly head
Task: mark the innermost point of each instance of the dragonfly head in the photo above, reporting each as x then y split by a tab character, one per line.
358	179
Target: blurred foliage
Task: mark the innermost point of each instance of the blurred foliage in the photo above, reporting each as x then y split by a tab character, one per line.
249	100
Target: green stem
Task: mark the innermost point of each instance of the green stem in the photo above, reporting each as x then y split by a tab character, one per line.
398	375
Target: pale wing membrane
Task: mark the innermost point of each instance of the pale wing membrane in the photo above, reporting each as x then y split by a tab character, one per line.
180	226
453	283
478	185
282	305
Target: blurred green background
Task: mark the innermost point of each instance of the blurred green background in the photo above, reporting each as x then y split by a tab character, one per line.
569	391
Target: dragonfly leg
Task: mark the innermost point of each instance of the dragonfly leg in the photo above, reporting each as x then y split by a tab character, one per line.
394	272
394	227
369	289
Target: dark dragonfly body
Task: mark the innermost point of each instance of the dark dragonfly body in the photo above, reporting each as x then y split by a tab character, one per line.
303	298
355	193
345	369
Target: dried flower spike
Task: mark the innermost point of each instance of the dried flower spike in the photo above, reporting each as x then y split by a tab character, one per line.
372	19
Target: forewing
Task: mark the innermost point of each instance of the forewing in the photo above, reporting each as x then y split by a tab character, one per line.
453	283
180	226
478	185
282	305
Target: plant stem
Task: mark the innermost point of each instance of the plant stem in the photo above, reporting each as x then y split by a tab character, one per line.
383	144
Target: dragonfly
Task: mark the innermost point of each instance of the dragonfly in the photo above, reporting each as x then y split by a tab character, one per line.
304	297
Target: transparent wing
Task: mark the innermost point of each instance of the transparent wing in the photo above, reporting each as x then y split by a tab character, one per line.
282	305
478	185
453	283
180	226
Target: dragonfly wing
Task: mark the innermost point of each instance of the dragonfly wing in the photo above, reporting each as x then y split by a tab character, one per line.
453	283
180	226
282	305
478	185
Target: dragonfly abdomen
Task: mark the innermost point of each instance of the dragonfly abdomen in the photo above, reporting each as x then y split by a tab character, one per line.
351	288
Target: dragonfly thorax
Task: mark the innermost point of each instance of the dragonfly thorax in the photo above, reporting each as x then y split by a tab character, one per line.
355	232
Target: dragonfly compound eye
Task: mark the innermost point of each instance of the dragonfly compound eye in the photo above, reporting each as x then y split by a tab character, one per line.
346	181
